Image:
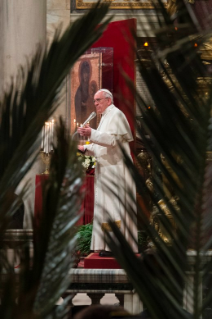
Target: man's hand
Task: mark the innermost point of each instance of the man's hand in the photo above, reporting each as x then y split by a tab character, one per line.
84	131
81	148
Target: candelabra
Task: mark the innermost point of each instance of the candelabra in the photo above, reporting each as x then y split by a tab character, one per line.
46	158
47	144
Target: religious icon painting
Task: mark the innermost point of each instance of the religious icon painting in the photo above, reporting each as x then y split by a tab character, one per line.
86	80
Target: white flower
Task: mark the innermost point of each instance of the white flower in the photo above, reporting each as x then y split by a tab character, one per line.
88	161
85	165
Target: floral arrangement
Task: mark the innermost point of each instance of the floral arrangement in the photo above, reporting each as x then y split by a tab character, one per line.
88	162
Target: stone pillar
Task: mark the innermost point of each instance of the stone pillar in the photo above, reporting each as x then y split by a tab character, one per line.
132	303
22	28
95	297
58	15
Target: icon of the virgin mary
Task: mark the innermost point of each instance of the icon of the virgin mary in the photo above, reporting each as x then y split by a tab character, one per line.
82	92
84	96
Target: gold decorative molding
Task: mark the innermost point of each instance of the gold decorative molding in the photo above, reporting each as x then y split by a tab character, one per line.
156	220
172	5
117	4
106	226
206	50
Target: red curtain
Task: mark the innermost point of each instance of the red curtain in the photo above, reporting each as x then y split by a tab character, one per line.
120	36
87	204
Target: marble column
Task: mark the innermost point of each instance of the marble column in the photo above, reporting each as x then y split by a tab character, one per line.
22	28
58	15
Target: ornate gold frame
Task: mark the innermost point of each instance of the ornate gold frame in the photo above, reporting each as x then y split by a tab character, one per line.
116	4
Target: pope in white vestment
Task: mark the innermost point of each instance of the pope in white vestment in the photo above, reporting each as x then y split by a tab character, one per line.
113	182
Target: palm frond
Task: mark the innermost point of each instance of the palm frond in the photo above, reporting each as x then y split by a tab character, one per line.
61	211
34	96
31	99
179	129
44	279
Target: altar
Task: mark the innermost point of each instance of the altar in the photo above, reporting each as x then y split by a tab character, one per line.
87	203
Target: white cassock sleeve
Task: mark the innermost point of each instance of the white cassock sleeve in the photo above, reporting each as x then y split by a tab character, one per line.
117	130
101	139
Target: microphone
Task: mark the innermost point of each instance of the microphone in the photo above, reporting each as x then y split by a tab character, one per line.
91	116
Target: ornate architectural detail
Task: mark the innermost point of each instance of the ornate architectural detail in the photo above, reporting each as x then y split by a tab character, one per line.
106	226
172	5
206	50
116	4
156	220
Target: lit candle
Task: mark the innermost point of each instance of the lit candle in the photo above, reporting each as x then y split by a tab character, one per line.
42	138
46	143
74	124
52	133
50	136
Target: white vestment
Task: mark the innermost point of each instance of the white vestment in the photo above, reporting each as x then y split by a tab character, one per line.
110	170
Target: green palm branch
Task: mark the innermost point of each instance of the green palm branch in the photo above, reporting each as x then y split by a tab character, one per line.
23	114
177	127
44	279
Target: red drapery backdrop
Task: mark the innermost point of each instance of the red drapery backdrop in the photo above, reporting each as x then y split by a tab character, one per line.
119	36
87	204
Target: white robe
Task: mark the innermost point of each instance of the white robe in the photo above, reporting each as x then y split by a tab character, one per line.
110	166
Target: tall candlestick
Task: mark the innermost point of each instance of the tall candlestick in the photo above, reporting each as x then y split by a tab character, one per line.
50	136
48	130
42	138
46	138
52	133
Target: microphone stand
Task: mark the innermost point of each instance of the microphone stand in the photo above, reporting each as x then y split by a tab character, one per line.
73	136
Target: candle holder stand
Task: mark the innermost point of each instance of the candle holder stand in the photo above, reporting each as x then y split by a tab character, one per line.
46	158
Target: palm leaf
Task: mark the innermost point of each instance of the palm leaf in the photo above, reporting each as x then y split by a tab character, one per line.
179	129
57	231
44	279
23	114
42	282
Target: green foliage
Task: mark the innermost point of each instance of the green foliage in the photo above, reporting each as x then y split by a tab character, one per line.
29	102
84	234
177	127
34	96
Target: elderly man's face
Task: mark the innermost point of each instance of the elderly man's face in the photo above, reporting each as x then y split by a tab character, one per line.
101	102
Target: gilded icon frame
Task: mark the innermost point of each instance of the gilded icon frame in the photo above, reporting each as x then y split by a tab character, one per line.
94	64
